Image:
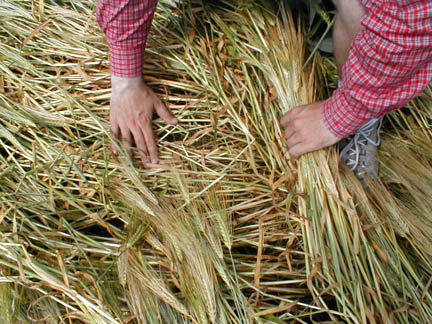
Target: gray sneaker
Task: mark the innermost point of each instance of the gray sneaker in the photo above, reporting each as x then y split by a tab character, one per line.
359	150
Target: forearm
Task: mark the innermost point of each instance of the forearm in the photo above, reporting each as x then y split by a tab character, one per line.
390	62
126	24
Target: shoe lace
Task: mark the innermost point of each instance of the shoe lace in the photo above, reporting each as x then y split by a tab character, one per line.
360	138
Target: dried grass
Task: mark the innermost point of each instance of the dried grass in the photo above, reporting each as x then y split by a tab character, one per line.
228	229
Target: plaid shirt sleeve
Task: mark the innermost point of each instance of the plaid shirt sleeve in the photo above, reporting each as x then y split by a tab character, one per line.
126	24
390	62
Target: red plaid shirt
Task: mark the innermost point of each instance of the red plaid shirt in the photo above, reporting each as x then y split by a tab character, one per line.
126	24
390	61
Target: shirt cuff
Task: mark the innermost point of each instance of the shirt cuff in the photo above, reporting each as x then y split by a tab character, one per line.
126	63
343	115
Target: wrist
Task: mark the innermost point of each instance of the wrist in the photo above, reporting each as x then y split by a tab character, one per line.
118	84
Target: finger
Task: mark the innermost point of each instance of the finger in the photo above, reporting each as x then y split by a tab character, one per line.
294	152
293	141
151	145
114	149
140	144
290	115
300	149
289	131
127	139
285	119
115	130
164	113
147	131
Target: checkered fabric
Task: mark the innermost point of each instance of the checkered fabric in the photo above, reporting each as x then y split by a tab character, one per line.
390	62
126	24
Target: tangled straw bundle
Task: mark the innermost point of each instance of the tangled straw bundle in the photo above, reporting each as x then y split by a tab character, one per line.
228	229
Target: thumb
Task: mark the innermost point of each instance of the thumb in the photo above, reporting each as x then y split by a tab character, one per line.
164	113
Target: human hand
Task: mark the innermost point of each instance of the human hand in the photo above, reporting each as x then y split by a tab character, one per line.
132	107
305	130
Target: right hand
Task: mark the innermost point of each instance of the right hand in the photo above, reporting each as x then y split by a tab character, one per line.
305	129
132	107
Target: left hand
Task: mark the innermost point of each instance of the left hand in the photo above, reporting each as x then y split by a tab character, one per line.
305	130
132	107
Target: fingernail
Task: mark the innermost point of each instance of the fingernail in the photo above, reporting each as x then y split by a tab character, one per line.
174	120
155	161
113	149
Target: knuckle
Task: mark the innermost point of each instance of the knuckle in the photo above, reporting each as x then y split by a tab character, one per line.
127	140
113	116
304	133
290	143
287	115
297	109
297	123
144	118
